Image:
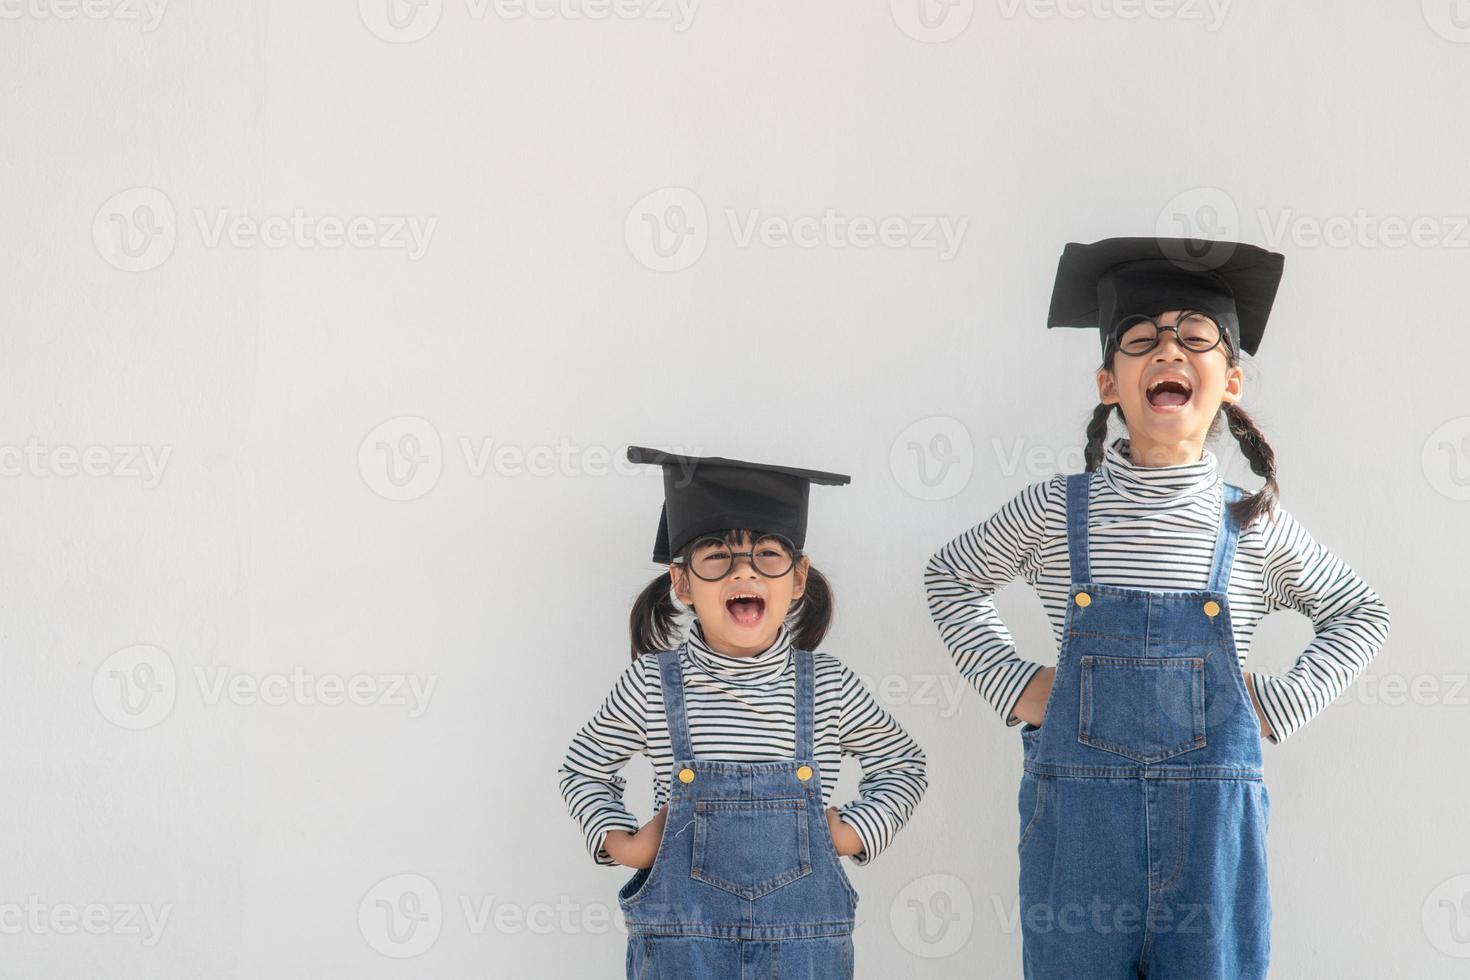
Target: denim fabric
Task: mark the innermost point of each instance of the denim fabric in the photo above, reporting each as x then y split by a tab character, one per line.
1143	807
747	882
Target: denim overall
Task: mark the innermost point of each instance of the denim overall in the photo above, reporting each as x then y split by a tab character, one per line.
1143	809
747	883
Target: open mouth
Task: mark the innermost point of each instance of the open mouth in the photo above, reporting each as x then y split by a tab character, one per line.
746	609
1169	393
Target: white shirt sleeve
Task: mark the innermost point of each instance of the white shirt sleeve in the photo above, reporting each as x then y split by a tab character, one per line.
894	773
590	783
1350	620
961	580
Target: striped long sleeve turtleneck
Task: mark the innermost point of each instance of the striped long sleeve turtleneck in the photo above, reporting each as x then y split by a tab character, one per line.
1154	528
741	709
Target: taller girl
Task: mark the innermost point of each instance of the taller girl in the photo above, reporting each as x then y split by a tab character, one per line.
1143	810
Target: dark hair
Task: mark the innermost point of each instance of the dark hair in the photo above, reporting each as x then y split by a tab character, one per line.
1253	444
653	623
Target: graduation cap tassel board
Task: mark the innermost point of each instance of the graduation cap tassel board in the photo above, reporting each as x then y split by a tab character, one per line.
1100	284
709	494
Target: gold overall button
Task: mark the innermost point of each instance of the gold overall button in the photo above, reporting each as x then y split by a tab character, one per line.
1083	599
1212	609
803	773
686	775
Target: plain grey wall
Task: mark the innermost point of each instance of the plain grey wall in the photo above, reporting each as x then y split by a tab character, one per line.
323	322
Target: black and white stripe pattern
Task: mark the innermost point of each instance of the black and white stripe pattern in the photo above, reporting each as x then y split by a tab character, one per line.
1154	528
741	709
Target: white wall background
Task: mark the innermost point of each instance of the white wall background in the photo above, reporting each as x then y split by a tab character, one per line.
150	615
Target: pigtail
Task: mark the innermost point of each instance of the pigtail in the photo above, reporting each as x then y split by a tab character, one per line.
1262	458
813	611
1097	434
653	622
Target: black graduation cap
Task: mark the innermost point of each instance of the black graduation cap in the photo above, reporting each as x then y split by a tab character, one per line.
704	494
1099	284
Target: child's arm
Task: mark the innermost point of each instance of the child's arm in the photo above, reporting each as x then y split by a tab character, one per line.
589	782
1350	620
961	580
894	773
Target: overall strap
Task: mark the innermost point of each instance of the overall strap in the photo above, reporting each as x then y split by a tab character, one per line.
672	678
805	704
1225	540
1078	485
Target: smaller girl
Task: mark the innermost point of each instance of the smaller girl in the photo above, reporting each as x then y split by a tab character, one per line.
738	873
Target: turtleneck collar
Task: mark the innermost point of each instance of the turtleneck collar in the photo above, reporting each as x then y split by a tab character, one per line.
1155	484
765	666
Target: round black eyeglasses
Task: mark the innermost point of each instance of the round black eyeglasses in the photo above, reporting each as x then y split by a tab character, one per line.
1136	335
712	559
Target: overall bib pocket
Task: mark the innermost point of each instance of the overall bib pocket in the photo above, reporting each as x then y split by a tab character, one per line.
1143	708
750	847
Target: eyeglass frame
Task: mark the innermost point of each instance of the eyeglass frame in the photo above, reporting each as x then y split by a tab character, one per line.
1134	319
786	543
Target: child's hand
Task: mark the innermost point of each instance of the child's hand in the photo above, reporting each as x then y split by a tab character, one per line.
637	850
1031	708
1260	715
844	838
